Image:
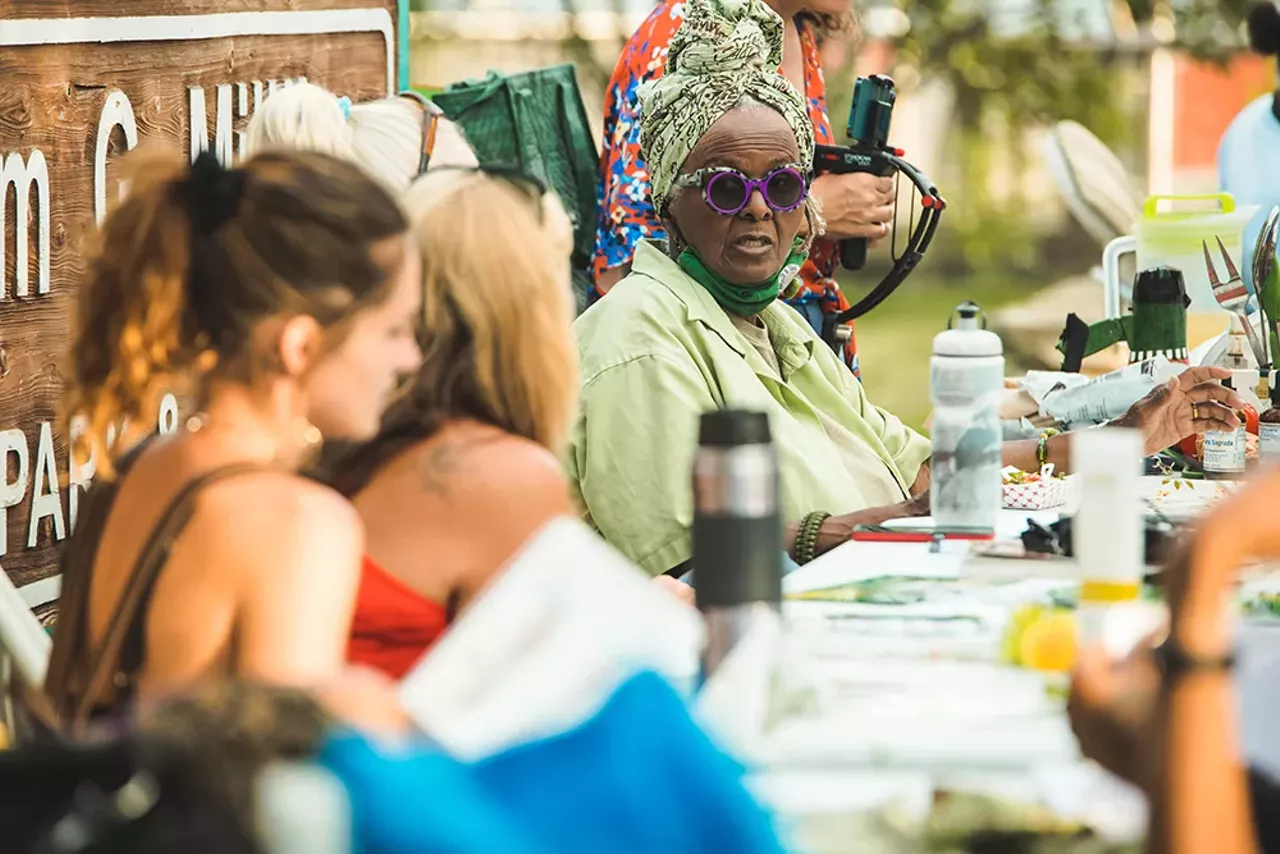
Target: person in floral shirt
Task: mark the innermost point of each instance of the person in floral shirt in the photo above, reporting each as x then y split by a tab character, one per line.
852	205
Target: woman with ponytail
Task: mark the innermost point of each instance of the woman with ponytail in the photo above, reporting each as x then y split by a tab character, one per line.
280	299
1247	163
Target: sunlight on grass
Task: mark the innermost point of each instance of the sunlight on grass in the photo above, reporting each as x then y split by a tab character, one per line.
896	339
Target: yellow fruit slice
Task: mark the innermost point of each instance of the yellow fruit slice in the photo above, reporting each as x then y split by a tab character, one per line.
1049	644
1011	643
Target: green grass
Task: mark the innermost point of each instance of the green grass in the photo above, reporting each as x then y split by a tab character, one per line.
895	340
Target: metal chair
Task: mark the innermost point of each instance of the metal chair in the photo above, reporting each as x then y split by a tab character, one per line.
24	648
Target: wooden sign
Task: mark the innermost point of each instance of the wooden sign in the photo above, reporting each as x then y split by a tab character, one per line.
83	82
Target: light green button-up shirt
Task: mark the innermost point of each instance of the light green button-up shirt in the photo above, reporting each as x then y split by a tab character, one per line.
656	354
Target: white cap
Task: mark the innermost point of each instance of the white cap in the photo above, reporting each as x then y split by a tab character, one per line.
967	336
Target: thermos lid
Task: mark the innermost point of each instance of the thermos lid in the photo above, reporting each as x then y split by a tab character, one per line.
1161	286
730	427
966	335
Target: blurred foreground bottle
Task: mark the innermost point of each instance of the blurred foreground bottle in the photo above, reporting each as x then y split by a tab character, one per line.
1107	531
737	529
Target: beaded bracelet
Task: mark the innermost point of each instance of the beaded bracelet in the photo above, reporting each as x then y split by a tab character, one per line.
1042	448
806	544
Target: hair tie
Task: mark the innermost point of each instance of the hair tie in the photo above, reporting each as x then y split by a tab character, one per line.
344	104
211	193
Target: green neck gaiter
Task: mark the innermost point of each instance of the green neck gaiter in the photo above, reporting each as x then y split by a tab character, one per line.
743	300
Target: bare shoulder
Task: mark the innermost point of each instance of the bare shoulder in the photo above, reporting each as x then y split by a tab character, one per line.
295	549
281	519
278	498
478	466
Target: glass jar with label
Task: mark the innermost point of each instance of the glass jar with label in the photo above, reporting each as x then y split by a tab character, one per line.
1269	427
1225	451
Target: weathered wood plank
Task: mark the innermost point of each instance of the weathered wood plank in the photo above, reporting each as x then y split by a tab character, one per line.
116	8
52	102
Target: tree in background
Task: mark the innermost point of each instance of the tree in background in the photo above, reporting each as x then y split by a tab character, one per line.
1014	66
1010	66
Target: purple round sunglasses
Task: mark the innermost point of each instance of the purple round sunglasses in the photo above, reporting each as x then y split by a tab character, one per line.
727	191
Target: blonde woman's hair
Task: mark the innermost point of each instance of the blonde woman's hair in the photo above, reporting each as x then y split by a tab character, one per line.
497	308
384	137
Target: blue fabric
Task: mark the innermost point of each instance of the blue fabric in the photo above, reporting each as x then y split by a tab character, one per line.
640	776
1249	168
421	801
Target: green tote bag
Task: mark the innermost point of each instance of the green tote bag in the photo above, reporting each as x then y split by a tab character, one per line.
535	121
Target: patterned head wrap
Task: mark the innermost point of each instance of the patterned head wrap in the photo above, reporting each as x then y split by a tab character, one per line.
724	51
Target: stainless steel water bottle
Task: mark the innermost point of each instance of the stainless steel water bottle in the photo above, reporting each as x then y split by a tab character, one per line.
737	529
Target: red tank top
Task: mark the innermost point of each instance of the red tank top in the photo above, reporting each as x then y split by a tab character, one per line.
394	624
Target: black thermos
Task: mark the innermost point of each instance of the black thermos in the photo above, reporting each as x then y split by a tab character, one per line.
737	528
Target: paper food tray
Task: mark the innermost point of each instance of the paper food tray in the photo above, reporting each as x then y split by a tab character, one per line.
1040	495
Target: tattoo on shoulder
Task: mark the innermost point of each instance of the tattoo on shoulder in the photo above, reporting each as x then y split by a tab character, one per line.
439	465
446	457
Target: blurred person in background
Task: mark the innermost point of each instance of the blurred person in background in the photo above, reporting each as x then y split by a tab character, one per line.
466	466
281	297
394	139
851	205
1165	719
1247	164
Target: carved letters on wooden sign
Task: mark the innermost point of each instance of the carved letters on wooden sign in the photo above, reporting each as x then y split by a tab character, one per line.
82	85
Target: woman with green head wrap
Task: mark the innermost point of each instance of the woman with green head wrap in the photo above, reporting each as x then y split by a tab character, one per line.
854	205
697	324
720	102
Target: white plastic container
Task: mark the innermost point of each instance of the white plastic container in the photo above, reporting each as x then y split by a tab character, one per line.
1247	383
1107	531
966	383
1169	232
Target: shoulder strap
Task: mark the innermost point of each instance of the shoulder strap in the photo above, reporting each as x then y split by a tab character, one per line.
65	677
151	560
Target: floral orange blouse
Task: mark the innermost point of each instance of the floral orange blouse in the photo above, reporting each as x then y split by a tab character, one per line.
626	213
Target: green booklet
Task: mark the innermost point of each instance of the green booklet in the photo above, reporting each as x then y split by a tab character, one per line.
883	590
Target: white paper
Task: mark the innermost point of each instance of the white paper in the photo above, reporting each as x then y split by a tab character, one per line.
858	561
1037	384
1100	398
926	714
1084	792
545	646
